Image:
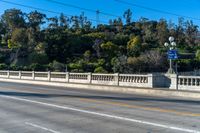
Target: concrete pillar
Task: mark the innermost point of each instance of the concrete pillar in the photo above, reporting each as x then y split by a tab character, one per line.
67	77
33	75
8	74
174	82
150	80
49	76
89	78
116	79
20	74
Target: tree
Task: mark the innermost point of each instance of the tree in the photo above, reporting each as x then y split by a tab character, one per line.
18	39
100	70
134	46
198	55
32	41
13	18
128	16
53	22
109	49
191	34
154	60
180	36
75	22
35	19
162	32
87	55
64	21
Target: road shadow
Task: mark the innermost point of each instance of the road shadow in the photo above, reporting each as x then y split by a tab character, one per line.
101	97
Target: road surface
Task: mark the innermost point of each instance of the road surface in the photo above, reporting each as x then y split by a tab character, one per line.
44	109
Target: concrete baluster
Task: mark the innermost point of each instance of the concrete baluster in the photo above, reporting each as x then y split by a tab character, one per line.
8	74
33	75
20	74
49	76
89	78
67	77
116	79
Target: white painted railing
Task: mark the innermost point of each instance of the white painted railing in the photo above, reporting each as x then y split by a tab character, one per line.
89	78
189	82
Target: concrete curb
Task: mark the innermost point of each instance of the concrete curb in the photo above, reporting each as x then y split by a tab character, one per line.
118	89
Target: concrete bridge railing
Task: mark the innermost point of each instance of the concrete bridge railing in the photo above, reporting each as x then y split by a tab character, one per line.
164	81
88	78
189	82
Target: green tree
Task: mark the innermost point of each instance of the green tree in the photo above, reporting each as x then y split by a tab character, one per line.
100	70
13	18
128	16
109	49
35	19
134	46
162	32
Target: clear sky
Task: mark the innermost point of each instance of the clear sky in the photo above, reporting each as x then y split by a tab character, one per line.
189	8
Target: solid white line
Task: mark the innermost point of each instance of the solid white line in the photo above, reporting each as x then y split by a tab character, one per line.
105	115
44	128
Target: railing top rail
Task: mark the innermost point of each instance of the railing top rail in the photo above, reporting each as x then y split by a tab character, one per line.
14	71
136	75
3	71
41	72
180	76
58	72
100	74
79	73
26	71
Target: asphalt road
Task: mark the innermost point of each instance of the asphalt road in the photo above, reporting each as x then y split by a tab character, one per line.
43	109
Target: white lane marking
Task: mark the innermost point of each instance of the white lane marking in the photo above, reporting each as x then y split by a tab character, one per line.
105	115
44	128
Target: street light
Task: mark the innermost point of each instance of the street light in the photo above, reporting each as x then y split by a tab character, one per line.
172	46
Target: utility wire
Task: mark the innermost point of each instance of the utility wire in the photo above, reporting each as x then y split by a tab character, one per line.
81	8
156	10
50	11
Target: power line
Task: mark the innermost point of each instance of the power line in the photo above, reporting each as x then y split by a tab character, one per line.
50	11
81	8
156	10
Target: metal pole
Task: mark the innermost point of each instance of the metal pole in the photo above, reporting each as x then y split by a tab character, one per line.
170	66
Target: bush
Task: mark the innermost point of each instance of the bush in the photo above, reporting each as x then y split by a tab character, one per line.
37	67
57	66
100	70
3	66
15	67
40	58
198	55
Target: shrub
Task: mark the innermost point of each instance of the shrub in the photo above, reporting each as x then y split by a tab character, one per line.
3	66
40	58
100	70
37	67
57	66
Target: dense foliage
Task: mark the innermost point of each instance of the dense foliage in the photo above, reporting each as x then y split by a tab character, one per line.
35	42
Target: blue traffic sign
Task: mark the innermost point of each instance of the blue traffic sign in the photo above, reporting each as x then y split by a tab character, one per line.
172	54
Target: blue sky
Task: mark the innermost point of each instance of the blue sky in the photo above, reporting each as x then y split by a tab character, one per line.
183	7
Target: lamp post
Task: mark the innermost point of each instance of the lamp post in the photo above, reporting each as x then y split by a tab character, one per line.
172	46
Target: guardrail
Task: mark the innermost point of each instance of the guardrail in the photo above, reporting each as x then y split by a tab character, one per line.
87	78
